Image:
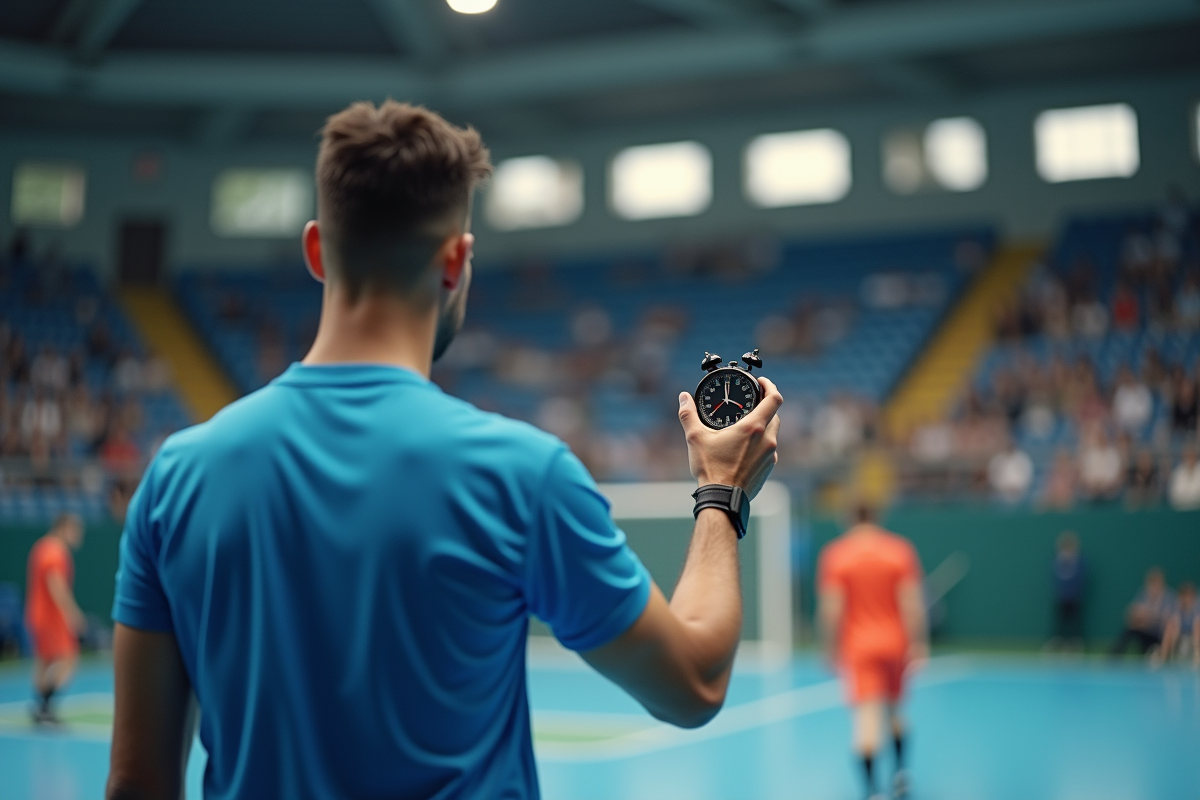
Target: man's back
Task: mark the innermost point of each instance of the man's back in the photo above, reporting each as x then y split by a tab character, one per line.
347	560
868	565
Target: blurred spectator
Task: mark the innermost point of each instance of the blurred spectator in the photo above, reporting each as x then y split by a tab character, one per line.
1187	303
100	346
1070	579
838	427
1100	467
1181	635
49	371
1010	474
41	417
1184	492
119	453
1184	406
1062	484
1133	405
1125	310
1146	616
1090	318
1144	487
16	362
127	374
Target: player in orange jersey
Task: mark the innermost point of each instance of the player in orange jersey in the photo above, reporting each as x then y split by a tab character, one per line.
872	614
51	613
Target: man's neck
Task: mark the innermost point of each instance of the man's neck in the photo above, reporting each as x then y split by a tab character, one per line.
374	329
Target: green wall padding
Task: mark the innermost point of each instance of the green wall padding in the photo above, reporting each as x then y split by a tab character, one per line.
95	562
1008	592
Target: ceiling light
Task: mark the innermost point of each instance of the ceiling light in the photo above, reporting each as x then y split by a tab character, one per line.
471	6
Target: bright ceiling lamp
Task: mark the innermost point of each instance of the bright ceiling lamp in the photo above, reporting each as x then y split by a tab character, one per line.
471	6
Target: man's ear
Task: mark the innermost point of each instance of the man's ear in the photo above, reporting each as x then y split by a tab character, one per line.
456	254
311	240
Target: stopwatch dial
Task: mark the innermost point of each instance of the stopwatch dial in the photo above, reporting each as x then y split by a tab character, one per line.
726	397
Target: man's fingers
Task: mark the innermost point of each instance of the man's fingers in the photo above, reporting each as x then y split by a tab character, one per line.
773	429
771	401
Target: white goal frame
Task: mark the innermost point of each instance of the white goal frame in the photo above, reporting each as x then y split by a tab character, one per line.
772	508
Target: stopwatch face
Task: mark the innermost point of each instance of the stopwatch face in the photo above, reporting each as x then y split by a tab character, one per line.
725	396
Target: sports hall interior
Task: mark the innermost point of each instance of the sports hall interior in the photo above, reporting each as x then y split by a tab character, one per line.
964	236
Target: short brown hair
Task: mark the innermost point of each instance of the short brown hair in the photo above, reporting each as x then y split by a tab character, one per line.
390	173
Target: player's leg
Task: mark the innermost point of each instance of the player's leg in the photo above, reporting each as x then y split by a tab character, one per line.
899	726
868	732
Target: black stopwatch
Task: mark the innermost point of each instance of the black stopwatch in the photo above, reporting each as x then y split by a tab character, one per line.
727	393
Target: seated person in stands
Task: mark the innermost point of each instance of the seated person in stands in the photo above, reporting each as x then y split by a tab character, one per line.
1181	635
1101	468
1147	616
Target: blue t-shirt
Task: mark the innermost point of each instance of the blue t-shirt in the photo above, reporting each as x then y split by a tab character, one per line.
348	559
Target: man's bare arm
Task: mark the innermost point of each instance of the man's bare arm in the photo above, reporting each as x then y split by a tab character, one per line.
61	594
831	604
912	611
676	658
155	717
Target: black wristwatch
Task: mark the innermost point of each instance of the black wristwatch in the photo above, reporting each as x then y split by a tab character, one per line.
730	499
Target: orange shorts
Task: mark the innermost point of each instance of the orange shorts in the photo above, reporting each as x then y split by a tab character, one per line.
875	678
54	643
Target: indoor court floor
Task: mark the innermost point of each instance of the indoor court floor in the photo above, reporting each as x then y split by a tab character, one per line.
985	728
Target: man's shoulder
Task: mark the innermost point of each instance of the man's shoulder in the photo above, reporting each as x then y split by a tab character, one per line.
455	427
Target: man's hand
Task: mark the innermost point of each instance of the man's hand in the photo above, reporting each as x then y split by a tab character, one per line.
742	454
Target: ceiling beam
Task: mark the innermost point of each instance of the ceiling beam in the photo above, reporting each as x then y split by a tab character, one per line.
703	13
102	24
908	79
866	34
410	28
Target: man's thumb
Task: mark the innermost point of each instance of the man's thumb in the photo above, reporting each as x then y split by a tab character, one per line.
687	410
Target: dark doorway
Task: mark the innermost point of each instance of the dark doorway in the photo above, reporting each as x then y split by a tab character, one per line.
141	250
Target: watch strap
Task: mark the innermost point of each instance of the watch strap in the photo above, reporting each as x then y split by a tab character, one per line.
730	499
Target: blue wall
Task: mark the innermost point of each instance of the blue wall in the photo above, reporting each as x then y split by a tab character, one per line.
1014	197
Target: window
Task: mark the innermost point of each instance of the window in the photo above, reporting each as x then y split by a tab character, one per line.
948	154
1075	144
661	180
261	202
956	152
47	194
788	169
534	192
1196	129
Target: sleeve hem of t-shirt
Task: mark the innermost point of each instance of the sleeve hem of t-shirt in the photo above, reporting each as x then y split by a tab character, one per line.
132	616
619	620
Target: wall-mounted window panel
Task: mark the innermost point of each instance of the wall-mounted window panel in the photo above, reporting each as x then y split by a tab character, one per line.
1075	144
1196	130
534	192
661	180
956	153
948	154
798	168
904	169
47	194
261	202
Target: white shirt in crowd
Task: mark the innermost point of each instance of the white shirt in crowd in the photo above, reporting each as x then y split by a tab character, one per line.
1100	467
1184	491
1132	406
1010	474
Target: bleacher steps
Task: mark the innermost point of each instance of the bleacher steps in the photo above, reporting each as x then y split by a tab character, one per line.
943	370
204	386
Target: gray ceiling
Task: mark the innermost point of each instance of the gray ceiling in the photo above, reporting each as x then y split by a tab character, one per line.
222	70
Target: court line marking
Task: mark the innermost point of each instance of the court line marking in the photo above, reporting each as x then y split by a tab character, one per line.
759	713
15	722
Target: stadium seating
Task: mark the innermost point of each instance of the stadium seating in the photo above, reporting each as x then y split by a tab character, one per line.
43	305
